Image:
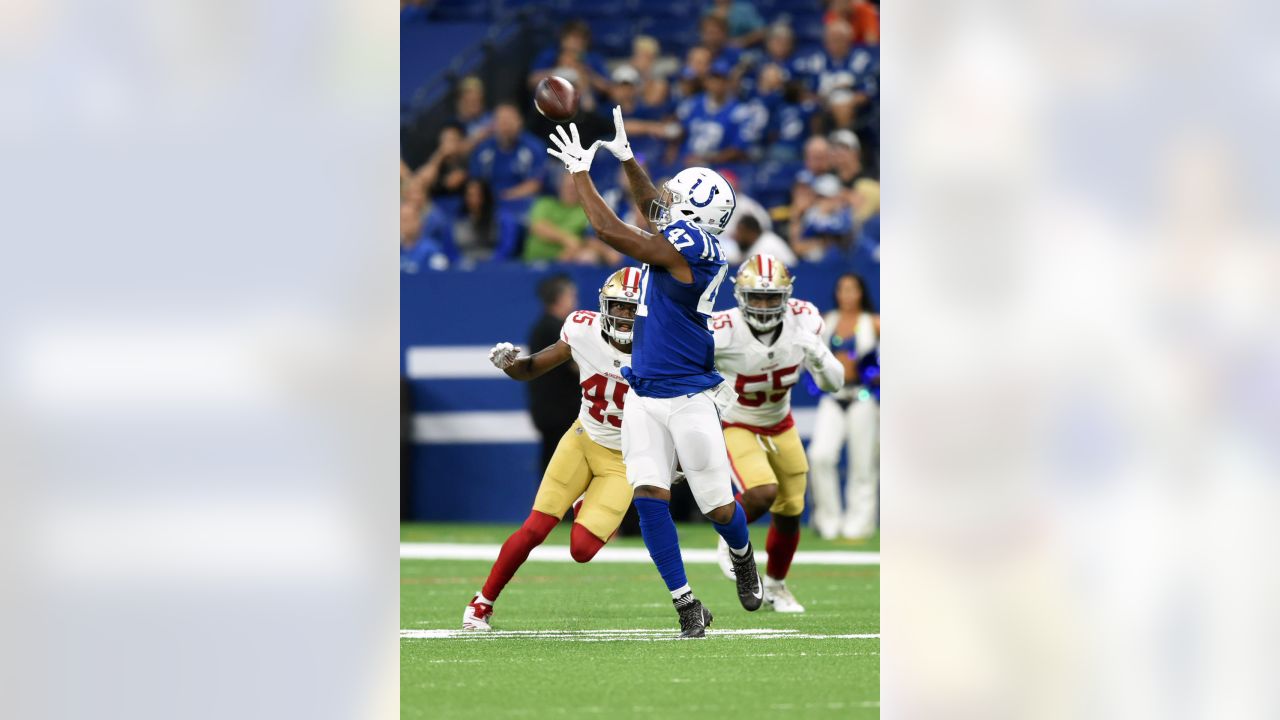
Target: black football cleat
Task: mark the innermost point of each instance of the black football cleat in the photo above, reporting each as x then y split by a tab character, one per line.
695	618
750	589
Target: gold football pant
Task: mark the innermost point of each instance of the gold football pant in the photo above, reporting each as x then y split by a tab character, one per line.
769	459
579	465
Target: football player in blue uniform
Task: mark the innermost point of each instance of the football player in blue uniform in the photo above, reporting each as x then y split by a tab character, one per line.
672	407
713	124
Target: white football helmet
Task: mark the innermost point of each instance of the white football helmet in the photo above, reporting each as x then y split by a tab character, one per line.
699	195
622	288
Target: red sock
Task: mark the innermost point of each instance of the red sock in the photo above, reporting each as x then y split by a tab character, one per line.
516	550
582	544
781	548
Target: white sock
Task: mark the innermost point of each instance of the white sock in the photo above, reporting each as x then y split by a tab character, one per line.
675	594
740	552
480	598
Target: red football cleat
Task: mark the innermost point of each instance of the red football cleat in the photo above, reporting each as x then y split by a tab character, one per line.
476	616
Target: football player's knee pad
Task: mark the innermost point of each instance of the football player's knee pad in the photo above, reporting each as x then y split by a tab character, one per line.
710	490
583	545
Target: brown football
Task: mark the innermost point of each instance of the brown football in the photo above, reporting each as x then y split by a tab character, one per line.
556	99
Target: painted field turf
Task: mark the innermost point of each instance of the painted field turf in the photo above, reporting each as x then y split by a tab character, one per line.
598	639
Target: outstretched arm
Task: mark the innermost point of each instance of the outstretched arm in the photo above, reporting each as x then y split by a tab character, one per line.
529	367
627	239
642	189
827	371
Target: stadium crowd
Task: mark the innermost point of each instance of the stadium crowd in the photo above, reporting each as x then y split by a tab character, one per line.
790	119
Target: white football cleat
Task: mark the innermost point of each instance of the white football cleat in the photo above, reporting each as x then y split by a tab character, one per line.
779	597
476	616
726	562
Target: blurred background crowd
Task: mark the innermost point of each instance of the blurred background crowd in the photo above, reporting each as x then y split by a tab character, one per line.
779	96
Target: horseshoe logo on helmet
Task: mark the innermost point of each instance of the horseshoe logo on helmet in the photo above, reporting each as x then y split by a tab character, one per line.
710	196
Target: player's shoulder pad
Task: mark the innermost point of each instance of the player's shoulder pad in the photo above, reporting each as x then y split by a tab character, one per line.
806	315
578	324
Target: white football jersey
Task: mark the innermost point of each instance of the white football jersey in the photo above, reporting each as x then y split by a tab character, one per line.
600	375
762	375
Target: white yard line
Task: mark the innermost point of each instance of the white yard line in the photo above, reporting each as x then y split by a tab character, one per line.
640	634
560	553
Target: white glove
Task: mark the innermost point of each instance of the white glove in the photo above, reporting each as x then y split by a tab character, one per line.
823	366
724	397
503	355
815	353
619	146
570	151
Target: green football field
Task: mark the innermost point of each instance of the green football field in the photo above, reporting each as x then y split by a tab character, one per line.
597	639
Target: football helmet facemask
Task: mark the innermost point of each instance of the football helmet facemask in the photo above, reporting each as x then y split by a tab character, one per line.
762	288
621	290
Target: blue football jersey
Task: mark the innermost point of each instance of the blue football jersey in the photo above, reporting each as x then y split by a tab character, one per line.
855	71
789	125
709	128
673	350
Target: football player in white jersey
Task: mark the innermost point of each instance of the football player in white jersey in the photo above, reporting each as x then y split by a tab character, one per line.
761	347
589	457
675	389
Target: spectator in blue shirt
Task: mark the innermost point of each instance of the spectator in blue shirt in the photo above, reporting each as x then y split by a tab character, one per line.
715	37
470	112
779	50
827	226
712	132
818	161
790	114
420	249
752	118
573	52
746	27
692	78
841	64
648	126
512	164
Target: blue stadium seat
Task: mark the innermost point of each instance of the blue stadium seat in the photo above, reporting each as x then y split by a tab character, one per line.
612	37
587	9
669	11
471	10
507	6
675	37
